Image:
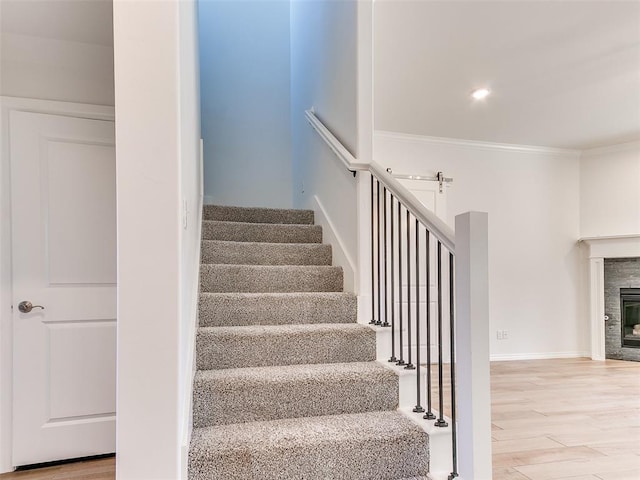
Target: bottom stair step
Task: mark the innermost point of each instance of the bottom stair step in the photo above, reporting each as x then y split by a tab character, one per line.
364	446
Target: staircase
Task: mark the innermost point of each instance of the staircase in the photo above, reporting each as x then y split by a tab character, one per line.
287	386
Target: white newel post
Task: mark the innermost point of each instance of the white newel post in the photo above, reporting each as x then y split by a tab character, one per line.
472	347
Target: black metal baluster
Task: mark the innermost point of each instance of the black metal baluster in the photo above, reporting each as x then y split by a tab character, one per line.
418	408
452	346
386	265
409	365
373	254
440	422
400	308
379	321
429	415
393	288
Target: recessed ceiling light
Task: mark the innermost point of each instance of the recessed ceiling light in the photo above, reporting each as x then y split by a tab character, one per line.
480	93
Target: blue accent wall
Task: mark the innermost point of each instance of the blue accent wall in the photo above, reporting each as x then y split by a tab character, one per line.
245	99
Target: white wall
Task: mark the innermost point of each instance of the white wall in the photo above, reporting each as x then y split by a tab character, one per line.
324	76
610	191
50	69
532	198
156	148
245	74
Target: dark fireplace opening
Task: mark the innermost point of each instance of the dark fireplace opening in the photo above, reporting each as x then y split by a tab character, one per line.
630	317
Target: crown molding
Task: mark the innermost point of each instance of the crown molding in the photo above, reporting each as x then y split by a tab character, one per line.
479	145
619	147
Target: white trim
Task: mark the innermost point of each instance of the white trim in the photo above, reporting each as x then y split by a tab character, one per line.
596	308
475	144
619	147
621	246
506	357
363	198
609	237
77	110
7	105
340	256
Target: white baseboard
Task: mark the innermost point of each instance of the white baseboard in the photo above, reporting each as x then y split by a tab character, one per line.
340	256
537	356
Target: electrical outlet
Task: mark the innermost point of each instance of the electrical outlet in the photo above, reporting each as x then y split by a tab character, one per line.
499	334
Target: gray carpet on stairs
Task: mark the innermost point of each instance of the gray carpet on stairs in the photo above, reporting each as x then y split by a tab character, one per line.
366	446
270	278
258	232
257	215
286	386
260	253
270	393
266	345
239	309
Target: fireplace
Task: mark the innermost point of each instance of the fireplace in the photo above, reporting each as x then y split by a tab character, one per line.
630	317
614	263
622	306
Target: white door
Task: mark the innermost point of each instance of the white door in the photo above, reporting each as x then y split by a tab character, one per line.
430	195
434	198
64	259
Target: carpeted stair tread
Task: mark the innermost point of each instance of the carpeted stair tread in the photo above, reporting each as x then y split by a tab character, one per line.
364	446
270	393
261	232
270	278
261	253
261	346
239	309
257	215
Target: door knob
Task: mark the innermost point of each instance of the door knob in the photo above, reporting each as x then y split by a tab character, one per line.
26	306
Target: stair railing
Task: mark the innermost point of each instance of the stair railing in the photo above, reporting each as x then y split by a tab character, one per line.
409	243
441	292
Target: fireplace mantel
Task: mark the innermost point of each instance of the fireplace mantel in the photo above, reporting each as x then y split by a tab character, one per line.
599	248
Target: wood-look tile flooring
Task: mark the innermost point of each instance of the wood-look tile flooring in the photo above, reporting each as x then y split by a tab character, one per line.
567	419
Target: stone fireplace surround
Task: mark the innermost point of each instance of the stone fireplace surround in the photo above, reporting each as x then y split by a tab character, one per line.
618	273
599	249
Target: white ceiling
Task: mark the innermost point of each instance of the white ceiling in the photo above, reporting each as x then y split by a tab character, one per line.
562	73
86	21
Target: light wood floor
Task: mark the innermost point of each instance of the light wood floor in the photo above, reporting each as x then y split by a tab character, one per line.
570	419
